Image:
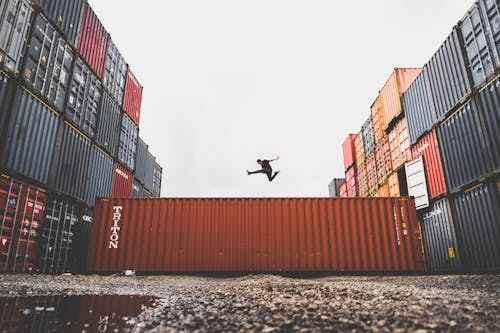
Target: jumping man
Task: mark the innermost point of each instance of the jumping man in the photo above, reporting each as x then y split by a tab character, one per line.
266	168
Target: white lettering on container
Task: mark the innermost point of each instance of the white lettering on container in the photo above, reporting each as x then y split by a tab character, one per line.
115	229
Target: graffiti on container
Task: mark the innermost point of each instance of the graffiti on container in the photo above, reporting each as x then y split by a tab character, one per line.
117	216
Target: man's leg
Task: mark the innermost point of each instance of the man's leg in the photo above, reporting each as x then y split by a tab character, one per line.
271	179
258	171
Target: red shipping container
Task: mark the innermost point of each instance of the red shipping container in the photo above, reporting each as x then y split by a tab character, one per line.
93	41
343	190
22	212
348	150
246	235
350	179
133	97
399	142
434	174
122	182
371	174
362	181
359	149
383	157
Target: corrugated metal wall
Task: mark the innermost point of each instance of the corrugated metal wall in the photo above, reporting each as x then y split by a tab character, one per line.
140	161
109	125
31	136
127	146
477	218
441	250
122	182
15	19
47	67
5	98
368	137
84	99
256	235
71	163
133	97
115	73
157	176
100	176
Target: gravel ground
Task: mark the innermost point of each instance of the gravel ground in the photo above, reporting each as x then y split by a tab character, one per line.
267	303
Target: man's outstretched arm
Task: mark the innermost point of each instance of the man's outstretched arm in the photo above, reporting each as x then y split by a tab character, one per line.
277	158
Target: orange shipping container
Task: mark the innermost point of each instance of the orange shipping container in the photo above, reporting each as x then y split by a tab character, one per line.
394	185
383	190
359	149
383	157
371	173
399	142
392	92
378	120
255	235
362	181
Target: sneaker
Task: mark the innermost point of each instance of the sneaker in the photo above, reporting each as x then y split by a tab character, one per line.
248	172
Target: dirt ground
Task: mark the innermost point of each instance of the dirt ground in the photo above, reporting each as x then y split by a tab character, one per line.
268	303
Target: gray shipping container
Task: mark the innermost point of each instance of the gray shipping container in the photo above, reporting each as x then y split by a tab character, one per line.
115	73
440	241
30	138
81	241
56	241
100	179
150	166
71	163
128	142
67	15
157	174
477	222
488	104
419	110
463	148
490	9
48	63
5	98
137	190
448	76
140	161
15	19
368	136
481	52
334	187
84	99
109	123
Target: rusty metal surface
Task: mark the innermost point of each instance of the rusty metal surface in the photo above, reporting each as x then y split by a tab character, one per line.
255	235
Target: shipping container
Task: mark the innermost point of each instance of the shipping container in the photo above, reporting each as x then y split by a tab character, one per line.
115	73
334	187
6	87
440	241
351	181
256	235
56	241
477	216
383	190
448	76
67	15
419	109
362	181
348	151
343	190
157	175
137	189
359	149
377	112
84	99
383	159
434	174
81	241
30	138
15	20
93	41
371	173
488	104
100	179
481	52
368	137
490	10
140	161
71	162
417	184
393	181
108	130
22	209
47	65
133	97
127	146
150	166
392	91
466	157
122	182
399	143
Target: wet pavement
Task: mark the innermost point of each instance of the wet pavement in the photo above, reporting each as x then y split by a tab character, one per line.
254	303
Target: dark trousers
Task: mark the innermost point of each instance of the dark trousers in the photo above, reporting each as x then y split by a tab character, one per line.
267	171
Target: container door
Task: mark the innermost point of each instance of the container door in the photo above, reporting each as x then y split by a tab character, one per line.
417	185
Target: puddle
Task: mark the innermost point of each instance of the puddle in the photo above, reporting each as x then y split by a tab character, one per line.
87	313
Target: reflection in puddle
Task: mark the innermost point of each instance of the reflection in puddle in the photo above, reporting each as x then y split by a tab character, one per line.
88	313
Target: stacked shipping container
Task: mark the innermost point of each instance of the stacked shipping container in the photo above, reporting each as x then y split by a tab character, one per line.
69	123
447	114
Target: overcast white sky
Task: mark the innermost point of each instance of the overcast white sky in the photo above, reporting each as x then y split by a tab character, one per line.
229	81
